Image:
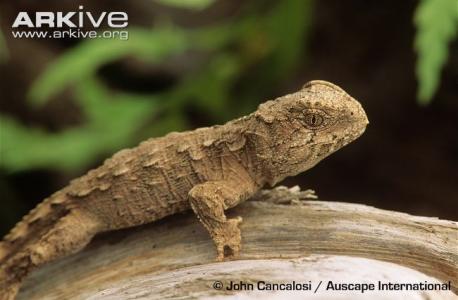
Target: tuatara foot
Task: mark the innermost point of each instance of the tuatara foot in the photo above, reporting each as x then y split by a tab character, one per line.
227	238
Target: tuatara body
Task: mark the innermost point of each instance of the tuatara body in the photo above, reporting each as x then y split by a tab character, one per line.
207	170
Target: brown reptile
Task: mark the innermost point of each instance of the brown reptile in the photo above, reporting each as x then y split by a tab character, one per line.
207	170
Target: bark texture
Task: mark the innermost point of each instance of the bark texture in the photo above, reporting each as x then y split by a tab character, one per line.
281	235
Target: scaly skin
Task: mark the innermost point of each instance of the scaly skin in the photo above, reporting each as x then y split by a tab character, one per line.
207	170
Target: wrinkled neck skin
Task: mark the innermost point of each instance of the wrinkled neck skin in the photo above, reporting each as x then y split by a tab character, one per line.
283	150
275	150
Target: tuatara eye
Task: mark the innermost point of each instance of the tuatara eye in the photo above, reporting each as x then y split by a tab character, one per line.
313	119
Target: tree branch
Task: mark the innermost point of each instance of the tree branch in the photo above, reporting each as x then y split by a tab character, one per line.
150	258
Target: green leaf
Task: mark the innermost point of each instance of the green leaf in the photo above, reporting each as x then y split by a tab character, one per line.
188	4
437	23
112	123
87	58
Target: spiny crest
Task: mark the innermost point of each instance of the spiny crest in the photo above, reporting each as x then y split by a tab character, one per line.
321	85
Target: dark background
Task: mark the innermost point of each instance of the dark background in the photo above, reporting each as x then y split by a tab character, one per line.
406	161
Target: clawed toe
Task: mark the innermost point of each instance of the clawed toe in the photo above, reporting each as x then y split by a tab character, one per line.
228	239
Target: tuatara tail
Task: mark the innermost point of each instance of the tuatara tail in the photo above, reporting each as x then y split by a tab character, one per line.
63	234
33	225
15	264
9	292
9	286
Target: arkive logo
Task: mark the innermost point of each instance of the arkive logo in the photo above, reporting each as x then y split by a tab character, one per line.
73	19
73	24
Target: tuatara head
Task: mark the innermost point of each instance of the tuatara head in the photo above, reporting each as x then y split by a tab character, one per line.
305	127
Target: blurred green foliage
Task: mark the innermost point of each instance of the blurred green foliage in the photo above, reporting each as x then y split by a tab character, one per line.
190	4
83	61
247	55
253	45
437	25
108	126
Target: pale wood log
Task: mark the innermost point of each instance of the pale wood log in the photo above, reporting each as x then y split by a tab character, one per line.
143	262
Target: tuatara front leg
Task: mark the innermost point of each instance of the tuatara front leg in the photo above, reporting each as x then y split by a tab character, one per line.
209	200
